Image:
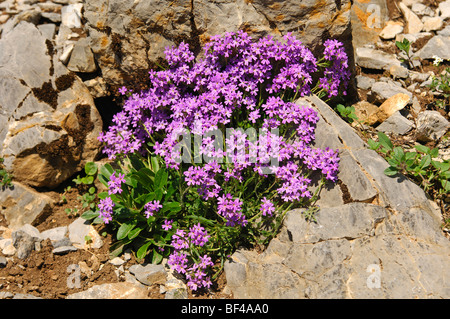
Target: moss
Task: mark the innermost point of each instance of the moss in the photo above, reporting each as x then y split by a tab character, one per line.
47	94
64	82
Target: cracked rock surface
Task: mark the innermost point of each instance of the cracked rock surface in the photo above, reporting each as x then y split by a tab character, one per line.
375	236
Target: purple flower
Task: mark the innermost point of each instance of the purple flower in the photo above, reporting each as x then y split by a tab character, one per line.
267	207
198	235
167	224
123	90
151	208
231	210
105	207
115	183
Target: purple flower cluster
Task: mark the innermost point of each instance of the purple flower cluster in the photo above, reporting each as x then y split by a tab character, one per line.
267	207
151	208
105	207
195	272
231	210
115	183
337	75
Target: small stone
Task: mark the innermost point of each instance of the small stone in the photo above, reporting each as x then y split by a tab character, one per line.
444	8
413	23
71	15
3	262
55	234
431	126
117	261
375	59
23	242
82	58
391	30
423	10
398	71
364	82
62	250
437	46
149	274
9	250
432	23
389	107
396	124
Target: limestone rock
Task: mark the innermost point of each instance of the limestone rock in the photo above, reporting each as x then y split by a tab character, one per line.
126	36
382	91
375	59
432	23
22	205
397	124
82	58
431	126
413	23
79	229
149	274
49	122
119	290
437	46
388	108
444	8
391	30
387	244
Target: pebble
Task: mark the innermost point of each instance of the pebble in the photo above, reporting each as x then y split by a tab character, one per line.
3	262
62	250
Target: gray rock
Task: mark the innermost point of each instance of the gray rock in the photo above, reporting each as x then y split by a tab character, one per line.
375	59
71	15
48	30
55	234
432	23
389	246
431	126
381	91
62	242
145	28
79	229
119	290
62	250
23	242
437	46
397	124
22	205
82	58
149	274
178	293
6	295
421	9
25	296
3	262
44	108
364	82
445	32
444	8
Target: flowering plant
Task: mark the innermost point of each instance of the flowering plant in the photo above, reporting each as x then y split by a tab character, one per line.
197	207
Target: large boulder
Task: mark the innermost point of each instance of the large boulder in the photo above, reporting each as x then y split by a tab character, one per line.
48	120
129	37
375	236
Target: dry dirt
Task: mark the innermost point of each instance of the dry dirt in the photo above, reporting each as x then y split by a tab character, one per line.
44	274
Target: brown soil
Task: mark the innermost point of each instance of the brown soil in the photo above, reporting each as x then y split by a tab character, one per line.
46	275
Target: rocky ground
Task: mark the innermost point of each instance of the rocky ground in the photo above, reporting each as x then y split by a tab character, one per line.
63	257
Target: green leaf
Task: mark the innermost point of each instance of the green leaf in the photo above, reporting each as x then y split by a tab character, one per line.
156	257
442	166
399	154
373	145
445	185
174	207
117	248
134	233
90	215
124	229
434	152
142	251
105	173
161	178
385	141
390	171
90	168
155	164
425	161
422	148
